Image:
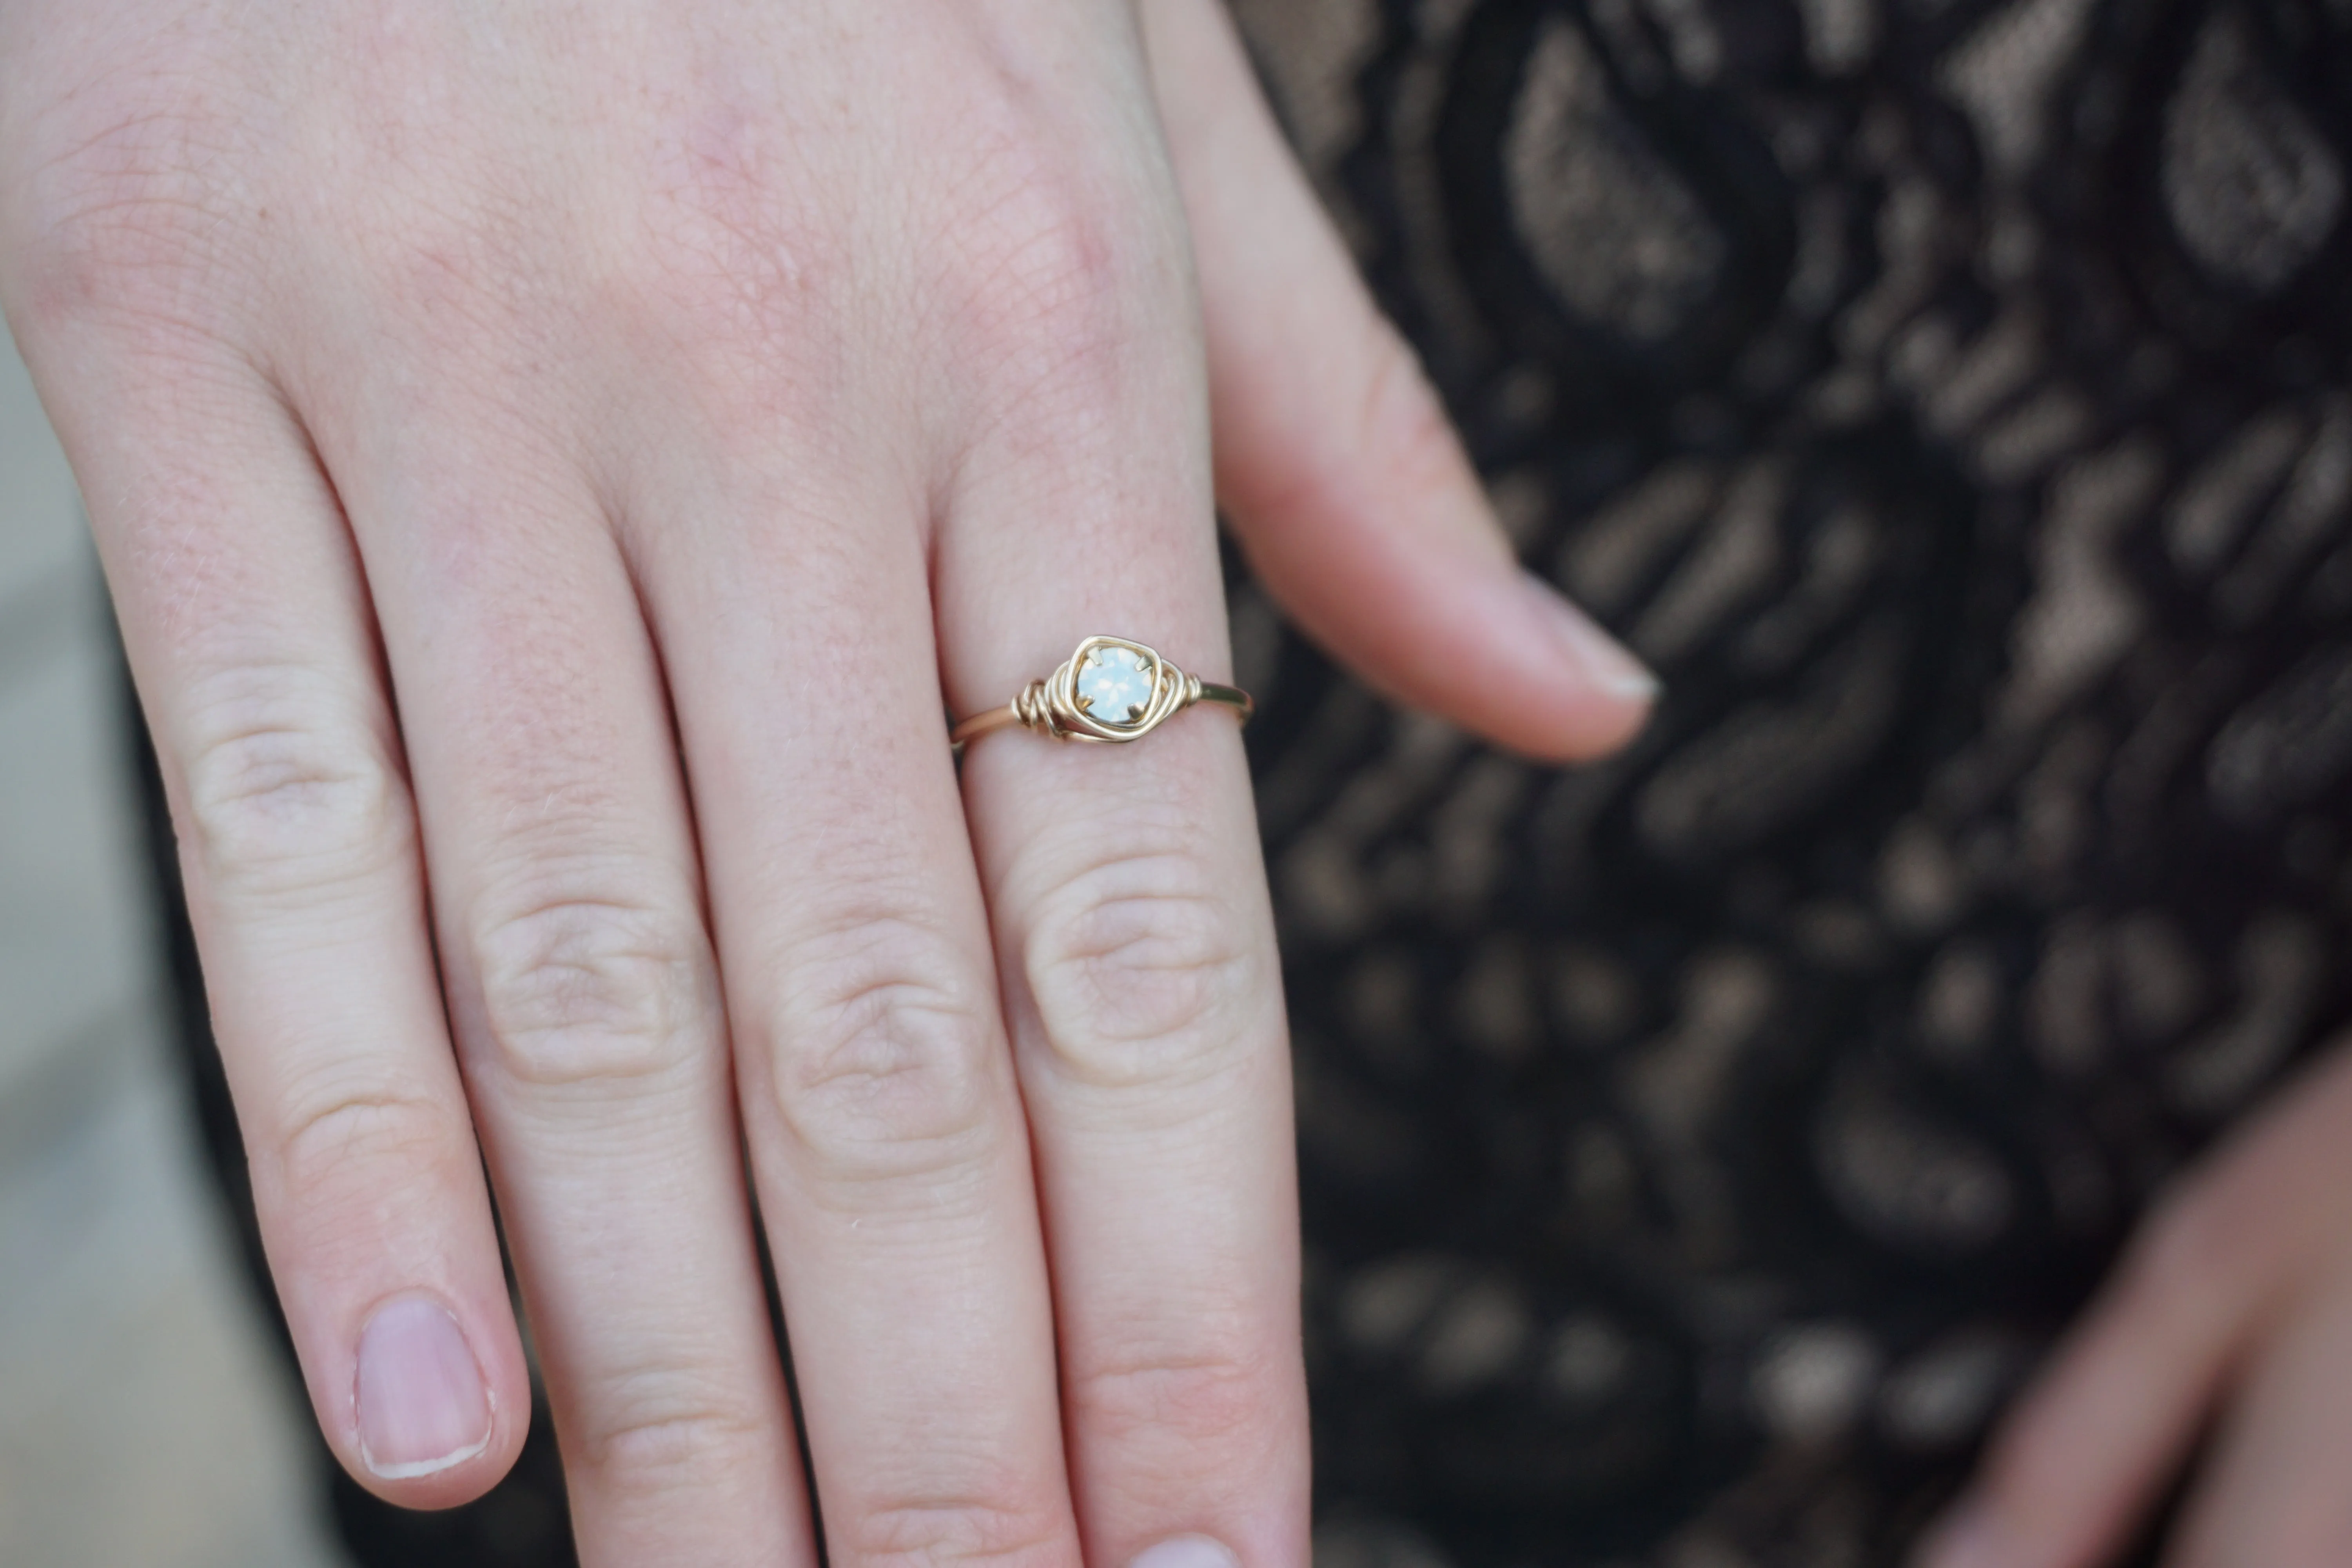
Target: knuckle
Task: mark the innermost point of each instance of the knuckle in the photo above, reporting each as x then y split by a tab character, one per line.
452	285
660	1432
579	990
352	1141
742	278
1140	971
123	220
465	276
1051	276
1206	1399
1049	257
885	1062
921	1531
285	795
738	265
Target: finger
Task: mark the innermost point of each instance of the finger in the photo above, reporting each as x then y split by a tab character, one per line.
1136	951
876	1087
2274	1493
2077	1464
581	980
1349	493
249	630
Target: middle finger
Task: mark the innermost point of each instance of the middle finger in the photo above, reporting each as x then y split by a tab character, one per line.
885	1130
1136	945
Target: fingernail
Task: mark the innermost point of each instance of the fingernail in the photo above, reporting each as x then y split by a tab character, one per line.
1185	1551
1597	657
1970	1536
422	1404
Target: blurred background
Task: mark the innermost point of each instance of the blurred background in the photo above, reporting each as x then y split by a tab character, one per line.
145	1420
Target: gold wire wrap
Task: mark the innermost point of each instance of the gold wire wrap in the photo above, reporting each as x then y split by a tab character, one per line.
1051	706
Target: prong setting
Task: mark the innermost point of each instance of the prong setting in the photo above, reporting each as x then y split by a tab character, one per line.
1111	691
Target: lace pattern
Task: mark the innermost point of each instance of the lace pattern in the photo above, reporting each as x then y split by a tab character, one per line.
1950	398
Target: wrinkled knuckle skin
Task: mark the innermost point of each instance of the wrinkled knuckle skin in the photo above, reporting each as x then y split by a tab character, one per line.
126	220
667	1431
283	800
579	992
1053	283
1141	973
884	1065
929	1533
459	285
338	1152
1208	1401
743	268
736	271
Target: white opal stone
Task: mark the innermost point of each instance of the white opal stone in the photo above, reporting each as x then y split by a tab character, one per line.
1115	685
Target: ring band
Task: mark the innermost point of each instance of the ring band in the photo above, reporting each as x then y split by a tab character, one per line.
1110	690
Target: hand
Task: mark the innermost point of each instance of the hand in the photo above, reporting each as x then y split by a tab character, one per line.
2234	1304
555	464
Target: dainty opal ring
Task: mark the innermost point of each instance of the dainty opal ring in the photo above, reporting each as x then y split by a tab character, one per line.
1111	691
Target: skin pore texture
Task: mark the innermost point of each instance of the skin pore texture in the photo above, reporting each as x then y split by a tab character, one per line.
555	466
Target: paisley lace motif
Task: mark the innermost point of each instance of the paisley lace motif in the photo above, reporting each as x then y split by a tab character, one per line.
1951	399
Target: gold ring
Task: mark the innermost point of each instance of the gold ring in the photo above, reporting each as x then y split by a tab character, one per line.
1111	691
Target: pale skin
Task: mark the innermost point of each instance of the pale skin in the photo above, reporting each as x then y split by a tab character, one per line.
556	465
2230	1316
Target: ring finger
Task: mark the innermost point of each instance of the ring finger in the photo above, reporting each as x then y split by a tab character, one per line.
1136	952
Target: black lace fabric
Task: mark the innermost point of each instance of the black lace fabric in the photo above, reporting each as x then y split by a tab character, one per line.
1951	399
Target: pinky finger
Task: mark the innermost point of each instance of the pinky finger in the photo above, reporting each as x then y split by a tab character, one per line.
1349	493
250	635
